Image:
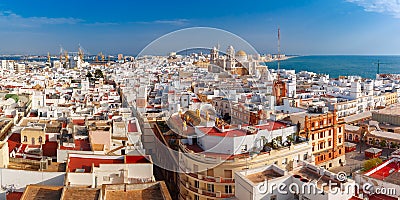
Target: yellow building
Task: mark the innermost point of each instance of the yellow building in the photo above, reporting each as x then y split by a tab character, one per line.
211	175
4	157
390	98
33	135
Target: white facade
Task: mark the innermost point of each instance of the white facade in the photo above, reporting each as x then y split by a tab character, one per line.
287	186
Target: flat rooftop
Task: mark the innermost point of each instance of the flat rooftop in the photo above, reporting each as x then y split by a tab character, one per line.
387	171
80	145
312	175
85	162
153	191
42	192
270	126
386	135
390	110
77	193
264	175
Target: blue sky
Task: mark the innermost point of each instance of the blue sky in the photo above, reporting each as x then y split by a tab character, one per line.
307	26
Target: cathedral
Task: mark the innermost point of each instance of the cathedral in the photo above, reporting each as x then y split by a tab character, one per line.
236	62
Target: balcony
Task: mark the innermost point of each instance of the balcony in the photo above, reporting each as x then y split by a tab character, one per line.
211	179
205	192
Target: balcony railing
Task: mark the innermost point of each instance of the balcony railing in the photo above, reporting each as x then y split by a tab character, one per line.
205	192
211	179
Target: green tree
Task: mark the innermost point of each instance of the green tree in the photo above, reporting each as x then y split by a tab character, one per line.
89	75
290	138
383	143
371	163
98	73
12	96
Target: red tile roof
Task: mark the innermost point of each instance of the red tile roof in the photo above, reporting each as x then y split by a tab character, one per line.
136	159
86	161
228	133
80	122
14	195
16	137
50	149
385	171
271	125
195	100
381	197
80	145
13	142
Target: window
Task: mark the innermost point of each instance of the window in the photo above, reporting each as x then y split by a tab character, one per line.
340	140
196	197
284	161
274	197
340	151
196	184
305	156
210	187
312	137
329	143
228	189
40	139
210	172
228	173
244	148
330	132
25	139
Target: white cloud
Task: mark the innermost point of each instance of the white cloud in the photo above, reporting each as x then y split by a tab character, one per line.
391	7
8	18
176	22
11	19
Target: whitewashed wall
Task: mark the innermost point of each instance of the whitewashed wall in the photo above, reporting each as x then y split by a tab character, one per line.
21	178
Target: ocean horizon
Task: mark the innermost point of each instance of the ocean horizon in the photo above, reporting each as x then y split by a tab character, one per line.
342	65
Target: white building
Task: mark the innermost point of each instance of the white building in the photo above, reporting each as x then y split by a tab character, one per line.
96	170
305	182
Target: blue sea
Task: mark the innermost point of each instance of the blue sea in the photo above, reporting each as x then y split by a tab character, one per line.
335	66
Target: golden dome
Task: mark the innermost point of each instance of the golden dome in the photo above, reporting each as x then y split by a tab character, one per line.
241	53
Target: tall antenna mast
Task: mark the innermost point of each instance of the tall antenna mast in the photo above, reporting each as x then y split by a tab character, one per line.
279	50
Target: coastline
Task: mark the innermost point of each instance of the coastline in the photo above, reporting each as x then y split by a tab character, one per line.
284	58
